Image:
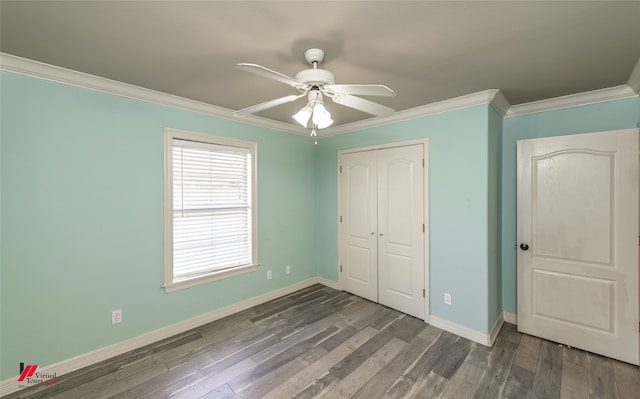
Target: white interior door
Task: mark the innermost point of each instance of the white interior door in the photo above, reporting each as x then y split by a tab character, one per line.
401	229
578	239
382	244
359	242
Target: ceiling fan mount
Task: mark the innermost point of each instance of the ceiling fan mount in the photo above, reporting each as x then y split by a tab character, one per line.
314	55
317	82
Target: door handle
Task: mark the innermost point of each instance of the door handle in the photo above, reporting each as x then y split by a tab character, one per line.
524	246
381	234
373	233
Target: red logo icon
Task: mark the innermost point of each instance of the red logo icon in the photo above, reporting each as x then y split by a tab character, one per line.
28	372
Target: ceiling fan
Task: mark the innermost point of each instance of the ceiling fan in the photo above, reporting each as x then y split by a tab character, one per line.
316	83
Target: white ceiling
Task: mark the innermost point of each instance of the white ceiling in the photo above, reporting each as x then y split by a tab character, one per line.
426	51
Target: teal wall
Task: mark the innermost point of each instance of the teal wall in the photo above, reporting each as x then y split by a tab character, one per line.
81	227
82	220
458	206
611	115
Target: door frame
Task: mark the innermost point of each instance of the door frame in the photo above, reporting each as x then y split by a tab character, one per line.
425	155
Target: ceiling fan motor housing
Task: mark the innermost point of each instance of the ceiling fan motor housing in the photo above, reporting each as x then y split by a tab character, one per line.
316	77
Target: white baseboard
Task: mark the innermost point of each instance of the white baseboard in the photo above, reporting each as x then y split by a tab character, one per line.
328	283
87	359
495	330
510	318
468	333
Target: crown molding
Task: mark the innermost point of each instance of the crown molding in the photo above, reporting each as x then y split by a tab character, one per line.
271	124
469	100
572	100
634	79
500	103
70	77
24	66
494	97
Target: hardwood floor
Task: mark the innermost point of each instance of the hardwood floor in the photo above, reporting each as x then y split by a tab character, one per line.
319	342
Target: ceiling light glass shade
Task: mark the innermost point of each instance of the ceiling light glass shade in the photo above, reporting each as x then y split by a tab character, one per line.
302	117
321	117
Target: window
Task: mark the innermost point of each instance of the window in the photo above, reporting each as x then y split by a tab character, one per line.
210	208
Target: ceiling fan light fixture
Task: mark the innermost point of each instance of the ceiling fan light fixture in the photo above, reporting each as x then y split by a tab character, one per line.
321	117
314	83
302	116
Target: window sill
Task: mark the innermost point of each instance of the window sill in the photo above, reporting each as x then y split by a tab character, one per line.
214	276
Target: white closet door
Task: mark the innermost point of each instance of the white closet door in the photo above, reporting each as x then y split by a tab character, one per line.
359	243
400	229
382	248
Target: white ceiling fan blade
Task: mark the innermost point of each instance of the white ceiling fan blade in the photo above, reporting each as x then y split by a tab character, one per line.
268	73
363	105
267	104
361	89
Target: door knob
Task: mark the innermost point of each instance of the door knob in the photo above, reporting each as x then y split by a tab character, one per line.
524	246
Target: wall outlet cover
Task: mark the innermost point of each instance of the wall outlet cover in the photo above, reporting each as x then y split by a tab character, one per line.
116	316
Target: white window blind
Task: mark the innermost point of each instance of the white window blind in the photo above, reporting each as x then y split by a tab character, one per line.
212	212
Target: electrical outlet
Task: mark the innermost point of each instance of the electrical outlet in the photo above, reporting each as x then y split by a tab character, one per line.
269	275
287	269
116	316
447	298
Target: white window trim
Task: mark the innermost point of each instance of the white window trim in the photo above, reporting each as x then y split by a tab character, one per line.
170	134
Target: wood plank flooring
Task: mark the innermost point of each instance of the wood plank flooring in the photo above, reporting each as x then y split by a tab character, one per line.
319	342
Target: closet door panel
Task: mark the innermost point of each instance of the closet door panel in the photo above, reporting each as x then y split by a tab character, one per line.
400	229
358	204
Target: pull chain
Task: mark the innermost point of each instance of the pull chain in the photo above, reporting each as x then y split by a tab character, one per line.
314	134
